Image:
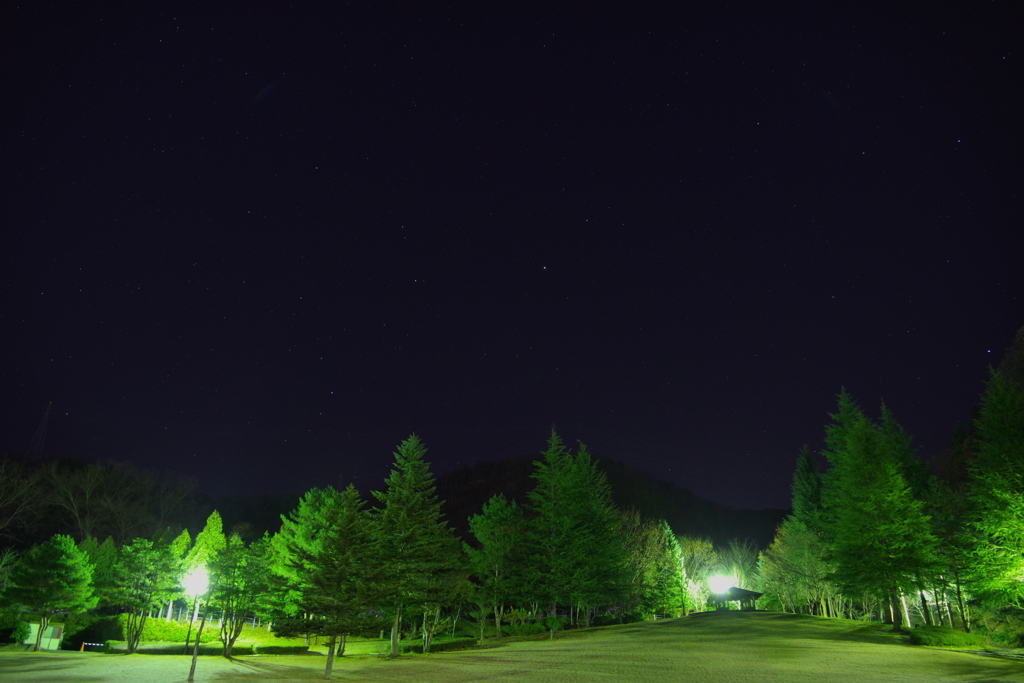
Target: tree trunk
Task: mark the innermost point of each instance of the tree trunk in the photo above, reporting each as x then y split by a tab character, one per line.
499	611
965	620
924	609
195	651
896	609
395	625
906	611
44	621
170	606
330	658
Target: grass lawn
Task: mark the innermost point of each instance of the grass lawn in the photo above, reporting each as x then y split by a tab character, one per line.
731	647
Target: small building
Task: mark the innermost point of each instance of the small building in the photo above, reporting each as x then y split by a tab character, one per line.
51	636
741	595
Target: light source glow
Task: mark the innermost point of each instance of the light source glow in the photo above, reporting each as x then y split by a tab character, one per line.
196	581
719	583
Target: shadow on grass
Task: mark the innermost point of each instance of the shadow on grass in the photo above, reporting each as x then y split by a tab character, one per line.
742	625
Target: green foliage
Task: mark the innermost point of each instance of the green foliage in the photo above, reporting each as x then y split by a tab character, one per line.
807	490
145	572
998	493
578	555
940	636
157	630
421	559
209	542
699	560
500	531
654	563
54	577
241	577
280	649
530	628
103	557
878	535
21	631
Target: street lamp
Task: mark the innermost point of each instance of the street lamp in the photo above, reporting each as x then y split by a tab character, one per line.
720	584
195	582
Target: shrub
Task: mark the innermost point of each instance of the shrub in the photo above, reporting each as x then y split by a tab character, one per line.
205	649
279	649
940	636
21	631
531	628
440	645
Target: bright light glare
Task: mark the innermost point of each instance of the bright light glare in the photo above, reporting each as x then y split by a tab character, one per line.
719	583
196	581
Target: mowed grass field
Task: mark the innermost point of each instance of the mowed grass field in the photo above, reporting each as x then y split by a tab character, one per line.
733	647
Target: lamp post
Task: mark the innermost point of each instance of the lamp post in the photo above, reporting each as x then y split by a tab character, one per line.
720	585
196	582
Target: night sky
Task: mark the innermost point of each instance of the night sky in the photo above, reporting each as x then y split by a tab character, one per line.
261	244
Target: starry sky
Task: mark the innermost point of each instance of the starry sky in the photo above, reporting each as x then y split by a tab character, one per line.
262	243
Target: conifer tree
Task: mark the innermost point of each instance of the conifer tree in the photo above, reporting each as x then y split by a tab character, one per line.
500	532
209	542
422	563
578	555
327	549
880	540
103	558
998	493
54	577
794	566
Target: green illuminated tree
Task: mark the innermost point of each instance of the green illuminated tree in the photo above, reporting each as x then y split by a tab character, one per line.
794	566
422	563
998	493
209	542
144	573
699	560
879	537
103	557
54	577
326	548
241	576
654	563
578	556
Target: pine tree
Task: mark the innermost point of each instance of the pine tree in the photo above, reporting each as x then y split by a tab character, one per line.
794	566
578	556
54	577
998	493
500	532
880	539
210	541
103	557
422	563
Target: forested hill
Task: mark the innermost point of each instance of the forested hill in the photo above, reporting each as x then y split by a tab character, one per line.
466	490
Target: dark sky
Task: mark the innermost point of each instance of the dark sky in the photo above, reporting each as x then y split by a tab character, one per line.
261	243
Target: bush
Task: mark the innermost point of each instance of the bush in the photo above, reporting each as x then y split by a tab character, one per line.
1004	626
531	628
279	649
940	636
21	631
174	648
158	630
439	645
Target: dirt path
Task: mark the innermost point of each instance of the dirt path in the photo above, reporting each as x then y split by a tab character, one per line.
717	648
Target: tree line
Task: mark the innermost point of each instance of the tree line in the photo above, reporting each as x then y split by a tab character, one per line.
339	566
879	534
